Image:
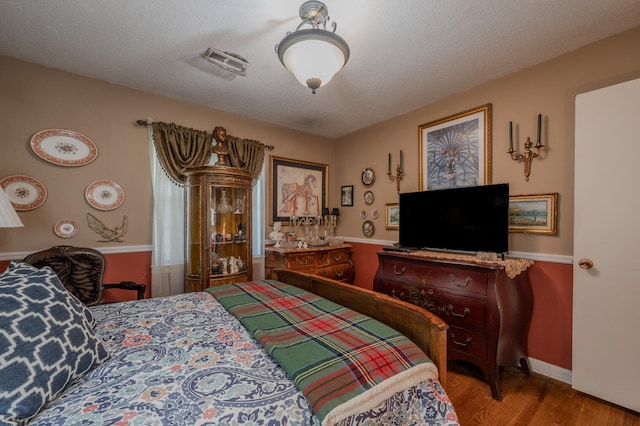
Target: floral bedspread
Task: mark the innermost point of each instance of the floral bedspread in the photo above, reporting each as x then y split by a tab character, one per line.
184	360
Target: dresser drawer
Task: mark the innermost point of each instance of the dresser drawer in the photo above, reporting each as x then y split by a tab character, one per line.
463	342
462	311
299	261
333	257
461	279
343	272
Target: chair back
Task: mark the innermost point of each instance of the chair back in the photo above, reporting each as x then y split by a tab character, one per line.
80	269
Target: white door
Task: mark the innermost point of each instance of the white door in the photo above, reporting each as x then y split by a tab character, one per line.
606	297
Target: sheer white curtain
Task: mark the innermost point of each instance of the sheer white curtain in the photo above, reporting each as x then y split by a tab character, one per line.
167	259
258	226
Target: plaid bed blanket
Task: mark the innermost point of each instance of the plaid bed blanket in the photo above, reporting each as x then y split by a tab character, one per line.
342	361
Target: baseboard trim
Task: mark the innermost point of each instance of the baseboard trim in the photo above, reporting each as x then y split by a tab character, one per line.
550	370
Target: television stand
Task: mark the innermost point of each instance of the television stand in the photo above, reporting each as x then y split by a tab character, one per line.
487	304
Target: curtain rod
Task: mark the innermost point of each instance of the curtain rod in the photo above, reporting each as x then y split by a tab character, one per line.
146	123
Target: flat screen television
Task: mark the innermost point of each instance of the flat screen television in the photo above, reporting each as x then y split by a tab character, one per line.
467	219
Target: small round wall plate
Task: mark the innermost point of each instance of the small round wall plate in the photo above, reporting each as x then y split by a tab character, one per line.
368	228
104	195
368	198
24	192
66	228
375	213
368	176
64	147
363	214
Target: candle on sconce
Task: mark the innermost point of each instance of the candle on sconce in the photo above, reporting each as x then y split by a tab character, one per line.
295	201
539	126
510	136
401	161
389	164
317	206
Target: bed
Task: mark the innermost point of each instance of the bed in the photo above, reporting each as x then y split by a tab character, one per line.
223	356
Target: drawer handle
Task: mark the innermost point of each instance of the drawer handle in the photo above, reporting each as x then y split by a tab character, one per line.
465	343
340	273
402	271
393	294
464	313
305	262
337	258
464	284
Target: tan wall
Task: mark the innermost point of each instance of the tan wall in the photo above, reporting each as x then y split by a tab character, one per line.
36	98
548	88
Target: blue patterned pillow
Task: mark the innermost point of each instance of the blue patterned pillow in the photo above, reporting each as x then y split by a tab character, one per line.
46	341
21	268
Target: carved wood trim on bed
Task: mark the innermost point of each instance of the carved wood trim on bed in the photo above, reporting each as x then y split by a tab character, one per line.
421	326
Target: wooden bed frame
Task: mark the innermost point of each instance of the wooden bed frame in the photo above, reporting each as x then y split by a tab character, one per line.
421	326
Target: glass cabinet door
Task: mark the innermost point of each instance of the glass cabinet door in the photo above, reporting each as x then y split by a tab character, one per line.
228	231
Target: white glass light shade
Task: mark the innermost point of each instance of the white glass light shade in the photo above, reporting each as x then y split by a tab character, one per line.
313	56
8	216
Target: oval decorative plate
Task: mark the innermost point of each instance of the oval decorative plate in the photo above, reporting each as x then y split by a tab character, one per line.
104	195
368	198
375	213
24	192
368	228
64	147
66	228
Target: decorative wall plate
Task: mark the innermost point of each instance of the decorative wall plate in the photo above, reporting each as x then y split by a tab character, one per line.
368	176
64	147
104	195
368	228
66	228
375	213
368	198
24	192
363	214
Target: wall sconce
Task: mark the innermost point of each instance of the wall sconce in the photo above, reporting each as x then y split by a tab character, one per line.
529	154
399	171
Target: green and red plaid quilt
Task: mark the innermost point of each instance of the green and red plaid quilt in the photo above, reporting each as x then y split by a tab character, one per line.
342	361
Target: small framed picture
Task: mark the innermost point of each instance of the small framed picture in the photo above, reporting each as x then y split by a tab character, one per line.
535	214
392	216
346	197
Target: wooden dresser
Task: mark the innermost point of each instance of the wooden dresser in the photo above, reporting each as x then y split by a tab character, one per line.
487	304
327	261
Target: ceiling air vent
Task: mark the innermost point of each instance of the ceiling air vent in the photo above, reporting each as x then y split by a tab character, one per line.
228	61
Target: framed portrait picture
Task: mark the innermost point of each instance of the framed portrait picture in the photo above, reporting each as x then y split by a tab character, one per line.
297	188
536	214
346	195
392	216
455	151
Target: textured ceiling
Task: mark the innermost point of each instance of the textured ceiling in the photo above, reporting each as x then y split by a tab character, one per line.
404	54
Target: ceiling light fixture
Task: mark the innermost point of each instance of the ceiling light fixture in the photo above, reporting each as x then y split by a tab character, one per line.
313	55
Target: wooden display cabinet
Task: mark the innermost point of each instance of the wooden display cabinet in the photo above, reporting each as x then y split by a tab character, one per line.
217	227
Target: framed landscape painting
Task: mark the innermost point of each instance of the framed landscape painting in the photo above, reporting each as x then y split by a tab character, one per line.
533	213
455	151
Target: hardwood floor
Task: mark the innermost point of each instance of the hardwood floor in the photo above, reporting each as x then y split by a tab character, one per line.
534	400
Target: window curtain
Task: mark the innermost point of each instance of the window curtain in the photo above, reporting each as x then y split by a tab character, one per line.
167	259
247	154
180	147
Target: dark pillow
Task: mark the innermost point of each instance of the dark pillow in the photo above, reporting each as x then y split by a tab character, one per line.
46	341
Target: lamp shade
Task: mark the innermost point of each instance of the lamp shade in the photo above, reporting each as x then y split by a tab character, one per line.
313	56
8	216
